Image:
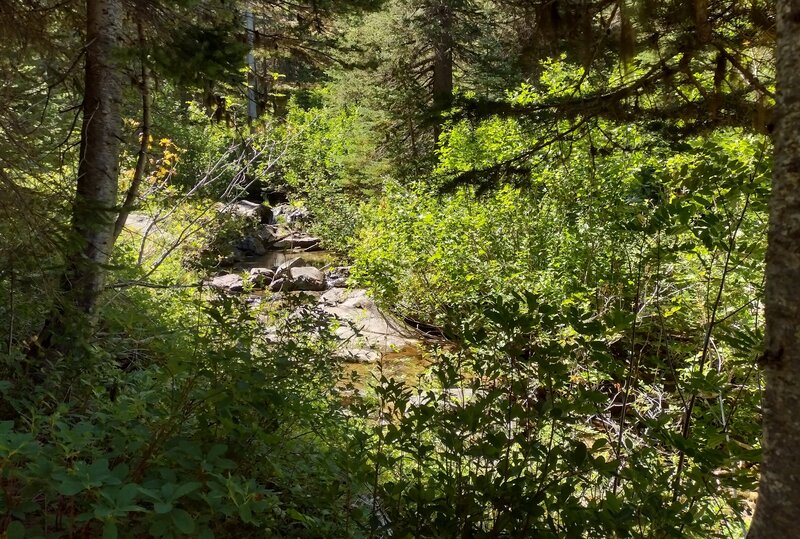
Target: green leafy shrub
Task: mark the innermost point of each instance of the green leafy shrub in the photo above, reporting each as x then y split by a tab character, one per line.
519	433
333	165
606	318
193	423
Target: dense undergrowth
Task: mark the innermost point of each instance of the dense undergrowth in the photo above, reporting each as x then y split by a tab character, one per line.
608	318
601	317
185	420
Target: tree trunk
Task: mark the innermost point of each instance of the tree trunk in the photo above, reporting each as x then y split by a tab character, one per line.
94	209
778	506
252	78
442	62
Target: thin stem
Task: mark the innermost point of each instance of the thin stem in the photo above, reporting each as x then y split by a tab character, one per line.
687	420
632	361
141	160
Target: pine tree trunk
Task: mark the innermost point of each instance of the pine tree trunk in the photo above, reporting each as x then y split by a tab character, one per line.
778	507
442	61
94	209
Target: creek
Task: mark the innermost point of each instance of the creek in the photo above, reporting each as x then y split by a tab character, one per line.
373	341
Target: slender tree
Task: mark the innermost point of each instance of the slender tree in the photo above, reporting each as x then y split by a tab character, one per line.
441	12
778	508
97	217
94	209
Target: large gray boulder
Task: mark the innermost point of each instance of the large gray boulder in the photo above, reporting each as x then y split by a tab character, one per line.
365	327
297	240
306	279
227	283
250	210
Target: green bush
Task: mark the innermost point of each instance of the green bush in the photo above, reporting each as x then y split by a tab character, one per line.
518	434
332	164
613	285
188	419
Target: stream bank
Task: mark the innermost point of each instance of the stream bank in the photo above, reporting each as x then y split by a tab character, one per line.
278	257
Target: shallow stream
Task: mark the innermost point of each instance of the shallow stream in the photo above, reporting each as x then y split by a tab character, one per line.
392	348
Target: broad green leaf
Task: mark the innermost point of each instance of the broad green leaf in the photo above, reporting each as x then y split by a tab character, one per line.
186	488
162	507
183	521
15	530
109	530
70	487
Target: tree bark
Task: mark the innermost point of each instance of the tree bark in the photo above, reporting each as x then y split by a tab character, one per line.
442	62
702	23
778	507
94	208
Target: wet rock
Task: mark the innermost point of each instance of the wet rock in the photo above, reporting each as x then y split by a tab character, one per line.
227	283
334	281
277	285
266	233
261	277
281	270
337	277
252	246
306	278
361	356
298	241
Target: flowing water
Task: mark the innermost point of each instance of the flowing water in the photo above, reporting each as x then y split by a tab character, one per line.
408	364
399	354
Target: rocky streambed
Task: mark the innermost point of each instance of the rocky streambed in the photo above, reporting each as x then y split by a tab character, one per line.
275	260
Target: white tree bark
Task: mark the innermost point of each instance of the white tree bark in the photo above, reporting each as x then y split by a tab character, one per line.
778	507
94	209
